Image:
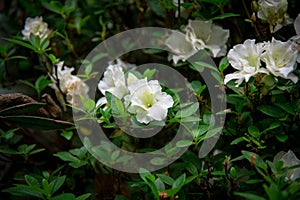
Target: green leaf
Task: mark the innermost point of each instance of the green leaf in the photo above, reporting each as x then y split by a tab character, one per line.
66	156
166	179
158	161
21	43
177	185
190	110
192	168
149	73
213	132
184	143
23	191
83	197
253	157
89	104
271	111
56	184
30	180
39	123
254	131
249	196
233	172
201	66
282	138
22	109
27	83
67	134
65	196
287	107
223	64
225	15
237	140
41	83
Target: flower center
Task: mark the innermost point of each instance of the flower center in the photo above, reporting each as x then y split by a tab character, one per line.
147	99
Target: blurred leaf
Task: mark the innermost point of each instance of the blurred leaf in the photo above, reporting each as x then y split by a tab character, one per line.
223	64
190	110
225	15
271	111
42	82
249	196
56	184
254	131
22	109
149	73
21	43
166	179
39	123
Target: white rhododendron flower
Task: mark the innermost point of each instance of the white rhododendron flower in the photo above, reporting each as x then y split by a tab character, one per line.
206	35
289	159
36	26
274	12
69	84
147	101
246	59
114	81
280	59
180	48
295	40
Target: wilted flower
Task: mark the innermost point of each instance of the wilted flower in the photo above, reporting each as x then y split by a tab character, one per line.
206	35
69	84
289	159
274	12
36	26
147	101
246	59
280	59
180	48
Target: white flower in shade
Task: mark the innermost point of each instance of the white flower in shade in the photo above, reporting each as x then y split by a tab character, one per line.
206	35
274	12
246	59
147	101
289	159
180	48
114	81
280	59
295	40
69	84
36	26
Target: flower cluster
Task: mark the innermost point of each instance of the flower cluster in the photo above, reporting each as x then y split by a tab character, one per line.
145	99
199	35
274	12
66	83
279	59
35	26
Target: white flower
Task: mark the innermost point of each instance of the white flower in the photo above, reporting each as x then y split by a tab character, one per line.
36	26
114	81
69	84
206	35
246	59
274	12
180	48
147	101
295	40
289	159
280	59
